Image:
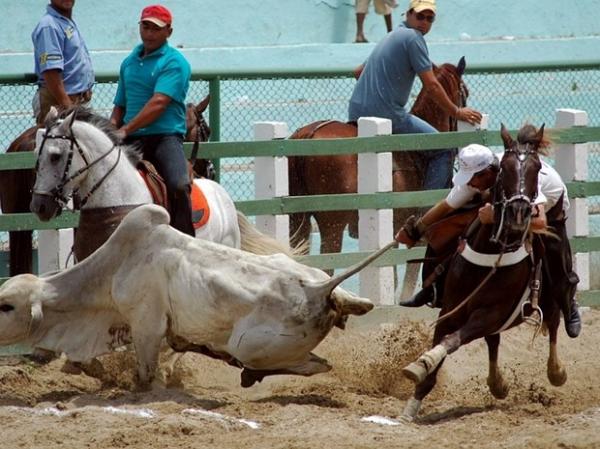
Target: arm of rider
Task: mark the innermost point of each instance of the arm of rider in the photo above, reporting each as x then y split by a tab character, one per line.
413	229
433	86
116	117
486	214
149	113
538	217
54	84
358	71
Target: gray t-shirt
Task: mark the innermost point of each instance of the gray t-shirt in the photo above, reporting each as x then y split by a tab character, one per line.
387	79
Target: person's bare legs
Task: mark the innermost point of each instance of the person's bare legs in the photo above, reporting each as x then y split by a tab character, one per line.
360	20
388	22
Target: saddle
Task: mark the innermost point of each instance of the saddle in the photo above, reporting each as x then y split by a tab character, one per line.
158	190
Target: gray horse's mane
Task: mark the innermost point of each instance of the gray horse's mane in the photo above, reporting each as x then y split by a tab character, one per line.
87	115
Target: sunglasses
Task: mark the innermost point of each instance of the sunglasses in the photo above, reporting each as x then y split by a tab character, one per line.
420	17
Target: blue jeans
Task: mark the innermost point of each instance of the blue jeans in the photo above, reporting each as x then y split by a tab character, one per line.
165	152
438	174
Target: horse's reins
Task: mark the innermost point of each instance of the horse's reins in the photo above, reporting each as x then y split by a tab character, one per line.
57	193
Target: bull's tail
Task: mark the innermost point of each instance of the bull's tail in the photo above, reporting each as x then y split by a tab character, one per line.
254	241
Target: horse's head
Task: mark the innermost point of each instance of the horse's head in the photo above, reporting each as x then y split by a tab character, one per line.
517	185
63	158
199	131
450	78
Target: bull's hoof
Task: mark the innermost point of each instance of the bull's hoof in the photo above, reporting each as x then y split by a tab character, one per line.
250	377
557	377
416	371
71	368
498	387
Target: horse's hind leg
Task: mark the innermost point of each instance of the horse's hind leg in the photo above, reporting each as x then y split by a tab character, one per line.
557	374
498	386
331	228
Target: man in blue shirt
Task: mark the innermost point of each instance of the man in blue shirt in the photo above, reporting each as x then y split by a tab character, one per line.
62	61
149	108
385	81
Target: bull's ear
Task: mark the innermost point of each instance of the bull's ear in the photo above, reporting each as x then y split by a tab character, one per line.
36	316
508	141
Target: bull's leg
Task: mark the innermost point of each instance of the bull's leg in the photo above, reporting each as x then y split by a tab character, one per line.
557	374
496	383
146	342
313	365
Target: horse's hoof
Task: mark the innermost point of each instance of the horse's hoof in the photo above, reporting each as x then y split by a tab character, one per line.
557	377
499	389
71	368
416	371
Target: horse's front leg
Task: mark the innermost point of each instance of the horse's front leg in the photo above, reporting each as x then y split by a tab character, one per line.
498	386
557	374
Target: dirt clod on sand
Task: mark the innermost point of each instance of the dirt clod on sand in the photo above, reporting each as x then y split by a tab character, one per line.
356	405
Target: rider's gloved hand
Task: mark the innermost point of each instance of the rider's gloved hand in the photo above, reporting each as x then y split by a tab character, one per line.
411	232
486	214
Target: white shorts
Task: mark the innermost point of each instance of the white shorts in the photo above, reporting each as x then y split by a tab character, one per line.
381	6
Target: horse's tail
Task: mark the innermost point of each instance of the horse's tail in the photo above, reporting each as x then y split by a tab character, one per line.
256	242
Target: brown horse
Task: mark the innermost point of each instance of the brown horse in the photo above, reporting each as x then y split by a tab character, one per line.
318	175
16	185
492	283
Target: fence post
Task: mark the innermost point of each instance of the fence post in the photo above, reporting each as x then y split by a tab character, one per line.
54	245
375	227
271	180
572	164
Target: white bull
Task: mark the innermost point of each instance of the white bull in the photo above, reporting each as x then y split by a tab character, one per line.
148	281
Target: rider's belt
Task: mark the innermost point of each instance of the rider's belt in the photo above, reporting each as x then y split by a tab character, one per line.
494	260
82	97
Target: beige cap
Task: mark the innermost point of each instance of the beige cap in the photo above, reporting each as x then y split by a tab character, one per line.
422	5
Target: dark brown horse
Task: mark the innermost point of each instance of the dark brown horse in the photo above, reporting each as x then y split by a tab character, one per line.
16	185
491	281
318	175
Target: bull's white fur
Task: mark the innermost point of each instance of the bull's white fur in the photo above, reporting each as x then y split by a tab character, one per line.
262	310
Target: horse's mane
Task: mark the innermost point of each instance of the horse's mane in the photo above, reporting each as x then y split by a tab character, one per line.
87	115
527	134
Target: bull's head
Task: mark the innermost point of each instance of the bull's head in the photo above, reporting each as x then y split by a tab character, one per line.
20	308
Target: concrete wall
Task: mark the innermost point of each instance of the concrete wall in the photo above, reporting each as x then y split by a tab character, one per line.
311	33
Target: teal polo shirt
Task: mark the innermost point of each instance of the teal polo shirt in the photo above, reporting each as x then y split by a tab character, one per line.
164	71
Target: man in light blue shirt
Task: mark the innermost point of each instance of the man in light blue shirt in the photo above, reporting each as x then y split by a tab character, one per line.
149	108
386	79
62	61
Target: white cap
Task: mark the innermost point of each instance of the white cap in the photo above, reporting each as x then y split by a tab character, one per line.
472	159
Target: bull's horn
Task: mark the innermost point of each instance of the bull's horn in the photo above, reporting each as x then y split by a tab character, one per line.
36	317
326	287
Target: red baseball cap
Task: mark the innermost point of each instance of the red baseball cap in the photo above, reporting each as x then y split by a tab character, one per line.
157	14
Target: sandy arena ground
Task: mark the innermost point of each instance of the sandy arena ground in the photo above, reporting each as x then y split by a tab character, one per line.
356	405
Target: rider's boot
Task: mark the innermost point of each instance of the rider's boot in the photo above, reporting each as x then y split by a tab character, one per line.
422	297
571	313
573	320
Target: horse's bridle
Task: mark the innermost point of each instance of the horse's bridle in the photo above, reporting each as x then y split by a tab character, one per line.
522	153
57	193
